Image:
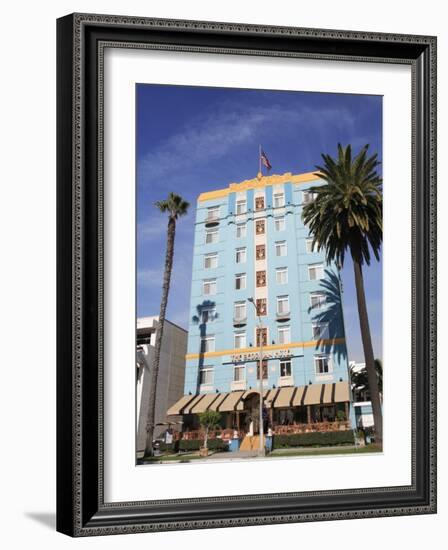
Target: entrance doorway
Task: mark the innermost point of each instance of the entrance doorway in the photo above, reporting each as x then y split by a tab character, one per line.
252	414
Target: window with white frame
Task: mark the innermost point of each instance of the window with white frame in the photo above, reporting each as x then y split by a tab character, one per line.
281	275
240	281
240	339
208	315
239	311
282	305
309	246
279	224
241	230
206	376
280	248
239	373
318	300
241	206
316	271
284	335
209	287
207	344
279	200
211	261
240	255
320	331
211	236
213	214
308	197
285	369
322	364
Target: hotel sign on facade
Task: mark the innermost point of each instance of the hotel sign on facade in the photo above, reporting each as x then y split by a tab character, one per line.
255	355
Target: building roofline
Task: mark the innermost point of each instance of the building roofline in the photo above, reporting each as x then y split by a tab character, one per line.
259	182
149	327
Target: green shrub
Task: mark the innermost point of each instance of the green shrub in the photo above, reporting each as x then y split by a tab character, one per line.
310	439
195	444
169	447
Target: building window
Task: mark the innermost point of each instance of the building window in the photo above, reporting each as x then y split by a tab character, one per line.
308	197
259	203
207	344
208	315
318	300
309	246
240	281
260	252
240	255
280	248
261	278
206	376
284	335
261	306
239	311
213	214
260	227
282	305
241	230
322	364
279	224
211	236
240	339
241	206
211	261
316	271
239	373
209	287
279	200
285	368
264	369
320	331
262	337
281	275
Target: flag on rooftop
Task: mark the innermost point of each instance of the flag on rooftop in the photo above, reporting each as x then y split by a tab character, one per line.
264	159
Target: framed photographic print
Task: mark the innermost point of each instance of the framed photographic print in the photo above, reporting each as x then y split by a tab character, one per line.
246	274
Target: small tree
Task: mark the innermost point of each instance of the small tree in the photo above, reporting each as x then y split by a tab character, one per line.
209	420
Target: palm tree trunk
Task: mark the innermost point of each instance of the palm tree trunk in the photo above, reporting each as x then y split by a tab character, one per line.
368	352
171	232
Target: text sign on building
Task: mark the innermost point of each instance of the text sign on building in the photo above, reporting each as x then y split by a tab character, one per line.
255	355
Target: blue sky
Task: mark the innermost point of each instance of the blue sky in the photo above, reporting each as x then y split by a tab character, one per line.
191	140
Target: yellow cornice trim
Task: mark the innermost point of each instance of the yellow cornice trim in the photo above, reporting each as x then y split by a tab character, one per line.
257	183
273	347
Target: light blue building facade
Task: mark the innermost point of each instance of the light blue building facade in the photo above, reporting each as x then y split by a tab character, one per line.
258	287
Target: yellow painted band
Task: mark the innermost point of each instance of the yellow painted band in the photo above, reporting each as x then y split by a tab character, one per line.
257	183
273	347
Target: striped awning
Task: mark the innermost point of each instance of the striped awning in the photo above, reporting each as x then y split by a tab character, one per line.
313	394
202	405
290	396
342	392
229	404
179	405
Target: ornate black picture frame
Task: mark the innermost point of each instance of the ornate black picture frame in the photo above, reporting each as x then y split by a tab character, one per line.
81	509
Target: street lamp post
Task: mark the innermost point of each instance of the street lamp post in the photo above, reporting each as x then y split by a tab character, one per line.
261	450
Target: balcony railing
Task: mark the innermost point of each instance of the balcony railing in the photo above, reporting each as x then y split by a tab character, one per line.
239	320
228	433
283	315
337	425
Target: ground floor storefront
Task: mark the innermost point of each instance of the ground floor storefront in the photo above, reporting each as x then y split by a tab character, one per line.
291	410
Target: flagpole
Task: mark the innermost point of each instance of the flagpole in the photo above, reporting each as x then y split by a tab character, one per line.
259	159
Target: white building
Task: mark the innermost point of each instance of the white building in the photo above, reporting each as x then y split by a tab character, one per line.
171	377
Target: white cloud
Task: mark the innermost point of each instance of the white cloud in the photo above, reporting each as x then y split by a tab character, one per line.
214	136
149	278
152	229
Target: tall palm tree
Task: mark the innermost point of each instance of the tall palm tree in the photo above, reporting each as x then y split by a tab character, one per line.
175	206
346	215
